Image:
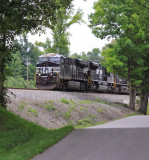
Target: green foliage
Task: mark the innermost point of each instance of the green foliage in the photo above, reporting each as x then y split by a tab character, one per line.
93	116
100	110
127	22
18	68
96	99
72	105
86	101
20	17
94	54
65	18
21	105
138	101
56	113
49	105
23	140
32	111
72	102
19	82
84	121
91	55
67	114
81	108
63	100
82	125
47	46
125	105
18	64
86	110
148	109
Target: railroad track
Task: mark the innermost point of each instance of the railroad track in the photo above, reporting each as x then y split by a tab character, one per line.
28	89
66	91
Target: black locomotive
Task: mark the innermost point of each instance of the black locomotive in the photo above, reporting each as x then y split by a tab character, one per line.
54	71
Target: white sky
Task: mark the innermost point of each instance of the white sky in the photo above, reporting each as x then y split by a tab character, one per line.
81	38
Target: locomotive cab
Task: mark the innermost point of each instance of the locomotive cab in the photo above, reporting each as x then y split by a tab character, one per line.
47	71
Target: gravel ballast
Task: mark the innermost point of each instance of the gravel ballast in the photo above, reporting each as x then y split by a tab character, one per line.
54	109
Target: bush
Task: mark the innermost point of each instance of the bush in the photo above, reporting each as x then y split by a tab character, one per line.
19	82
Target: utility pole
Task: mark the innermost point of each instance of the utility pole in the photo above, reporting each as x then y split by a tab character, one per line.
27	70
27	62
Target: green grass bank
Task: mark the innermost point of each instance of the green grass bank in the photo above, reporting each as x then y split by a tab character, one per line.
22	140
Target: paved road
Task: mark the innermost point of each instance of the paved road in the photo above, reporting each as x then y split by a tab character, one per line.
125	139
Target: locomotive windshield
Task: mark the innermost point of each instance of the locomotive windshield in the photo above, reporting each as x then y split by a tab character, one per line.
43	59
54	59
49	59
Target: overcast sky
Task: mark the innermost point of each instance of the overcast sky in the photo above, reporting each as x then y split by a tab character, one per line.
81	38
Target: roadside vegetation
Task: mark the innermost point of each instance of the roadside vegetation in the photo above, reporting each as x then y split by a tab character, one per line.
21	140
70	112
148	109
19	82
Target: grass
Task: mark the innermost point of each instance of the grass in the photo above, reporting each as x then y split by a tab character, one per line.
21	140
65	101
100	110
67	114
49	105
81	108
86	101
84	123
87	122
21	105
148	109
32	111
98	100
125	105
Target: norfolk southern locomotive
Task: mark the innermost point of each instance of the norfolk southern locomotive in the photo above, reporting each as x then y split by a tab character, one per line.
54	71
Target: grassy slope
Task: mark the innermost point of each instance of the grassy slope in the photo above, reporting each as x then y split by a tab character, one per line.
21	140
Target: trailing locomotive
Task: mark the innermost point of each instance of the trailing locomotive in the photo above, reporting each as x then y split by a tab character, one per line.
54	71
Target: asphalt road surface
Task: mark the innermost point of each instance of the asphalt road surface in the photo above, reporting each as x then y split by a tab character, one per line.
125	139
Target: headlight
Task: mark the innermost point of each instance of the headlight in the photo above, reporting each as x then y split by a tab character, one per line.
50	74
39	74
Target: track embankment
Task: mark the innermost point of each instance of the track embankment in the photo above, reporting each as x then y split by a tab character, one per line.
54	109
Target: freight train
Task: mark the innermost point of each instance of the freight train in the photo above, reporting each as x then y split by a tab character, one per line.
54	71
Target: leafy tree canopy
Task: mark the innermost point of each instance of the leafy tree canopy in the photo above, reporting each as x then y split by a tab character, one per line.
60	43
17	17
93	55
127	22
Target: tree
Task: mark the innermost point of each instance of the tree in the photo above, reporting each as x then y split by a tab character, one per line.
22	16
94	54
64	19
15	66
126	22
91	55
27	49
75	56
47	46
